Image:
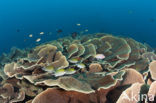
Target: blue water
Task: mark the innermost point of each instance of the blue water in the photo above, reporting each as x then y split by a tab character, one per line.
132	18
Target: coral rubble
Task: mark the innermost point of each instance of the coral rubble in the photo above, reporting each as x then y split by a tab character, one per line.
68	70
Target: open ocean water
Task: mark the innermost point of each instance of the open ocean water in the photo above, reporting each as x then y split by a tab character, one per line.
20	18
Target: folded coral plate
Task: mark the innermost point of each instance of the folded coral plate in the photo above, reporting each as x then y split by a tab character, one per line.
95	68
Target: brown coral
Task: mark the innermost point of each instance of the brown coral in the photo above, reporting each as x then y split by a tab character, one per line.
152	68
152	90
8	95
69	84
59	96
9	69
29	89
61	63
95	67
90	50
125	63
132	76
150	56
127	95
73	48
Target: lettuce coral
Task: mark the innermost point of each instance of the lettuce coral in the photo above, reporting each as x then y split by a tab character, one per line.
34	75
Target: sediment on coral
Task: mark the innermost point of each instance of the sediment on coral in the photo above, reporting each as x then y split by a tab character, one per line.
71	70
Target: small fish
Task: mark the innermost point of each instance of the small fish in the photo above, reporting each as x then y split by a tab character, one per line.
49	68
18	30
80	65
70	71
59	31
74	60
86	30
31	35
59	72
41	33
38	40
99	56
74	35
78	24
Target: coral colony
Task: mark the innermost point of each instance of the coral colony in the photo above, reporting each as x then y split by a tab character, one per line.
97	68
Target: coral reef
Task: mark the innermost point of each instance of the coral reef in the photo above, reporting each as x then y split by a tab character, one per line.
95	68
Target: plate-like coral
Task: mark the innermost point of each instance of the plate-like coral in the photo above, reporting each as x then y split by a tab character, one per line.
97	68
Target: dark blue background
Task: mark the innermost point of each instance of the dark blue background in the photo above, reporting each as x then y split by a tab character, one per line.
133	18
